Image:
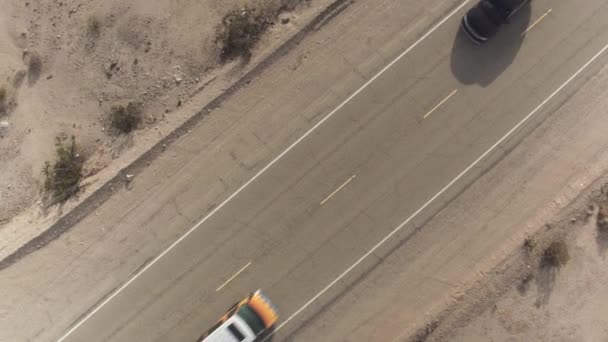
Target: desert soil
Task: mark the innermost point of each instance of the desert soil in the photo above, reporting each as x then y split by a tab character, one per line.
530	300
65	64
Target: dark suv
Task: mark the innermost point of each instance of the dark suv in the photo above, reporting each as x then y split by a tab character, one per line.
483	21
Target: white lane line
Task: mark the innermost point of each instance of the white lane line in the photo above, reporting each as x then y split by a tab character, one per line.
232	278
441	103
442	191
257	175
536	22
338	189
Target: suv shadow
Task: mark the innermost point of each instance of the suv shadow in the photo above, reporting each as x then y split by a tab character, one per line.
482	64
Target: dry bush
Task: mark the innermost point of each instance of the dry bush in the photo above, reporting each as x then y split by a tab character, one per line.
3	101
93	31
126	119
63	176
602	228
556	255
602	218
93	27
7	101
529	244
241	29
423	334
34	68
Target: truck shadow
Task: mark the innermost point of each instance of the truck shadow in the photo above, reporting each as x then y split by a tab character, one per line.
482	64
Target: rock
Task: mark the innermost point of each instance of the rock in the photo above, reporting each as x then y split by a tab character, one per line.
177	79
129	177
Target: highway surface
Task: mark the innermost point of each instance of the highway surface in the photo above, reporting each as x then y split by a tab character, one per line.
383	135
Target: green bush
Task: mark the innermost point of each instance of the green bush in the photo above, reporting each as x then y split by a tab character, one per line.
63	176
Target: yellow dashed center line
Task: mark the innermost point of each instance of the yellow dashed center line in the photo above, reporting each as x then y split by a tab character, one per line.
441	103
234	276
338	189
536	22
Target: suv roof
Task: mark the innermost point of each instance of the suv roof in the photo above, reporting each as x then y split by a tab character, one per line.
484	19
234	329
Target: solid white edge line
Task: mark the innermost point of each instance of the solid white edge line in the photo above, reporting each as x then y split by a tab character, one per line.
327	117
442	191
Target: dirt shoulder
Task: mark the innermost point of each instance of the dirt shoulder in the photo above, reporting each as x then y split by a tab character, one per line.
548	284
152	64
529	297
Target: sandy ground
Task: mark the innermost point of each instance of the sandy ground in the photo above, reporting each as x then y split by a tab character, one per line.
537	302
65	64
560	305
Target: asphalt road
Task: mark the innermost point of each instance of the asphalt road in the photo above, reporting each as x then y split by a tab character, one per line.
300	228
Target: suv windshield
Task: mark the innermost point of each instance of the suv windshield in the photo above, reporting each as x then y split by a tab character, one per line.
252	319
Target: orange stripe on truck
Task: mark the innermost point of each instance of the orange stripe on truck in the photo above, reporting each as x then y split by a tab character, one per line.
265	311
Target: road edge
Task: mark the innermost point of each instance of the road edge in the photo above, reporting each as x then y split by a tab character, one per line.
473	300
105	191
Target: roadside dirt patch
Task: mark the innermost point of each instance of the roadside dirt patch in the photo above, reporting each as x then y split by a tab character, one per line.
571	285
72	65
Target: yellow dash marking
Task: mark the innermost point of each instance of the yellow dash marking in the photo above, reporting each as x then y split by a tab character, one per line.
441	103
234	276
536	22
338	189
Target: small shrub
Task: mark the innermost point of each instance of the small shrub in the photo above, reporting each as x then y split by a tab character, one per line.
241	29
524	284
63	176
93	27
34	68
18	78
3	101
602	218
423	334
556	255
529	244
602	227
7	101
126	119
